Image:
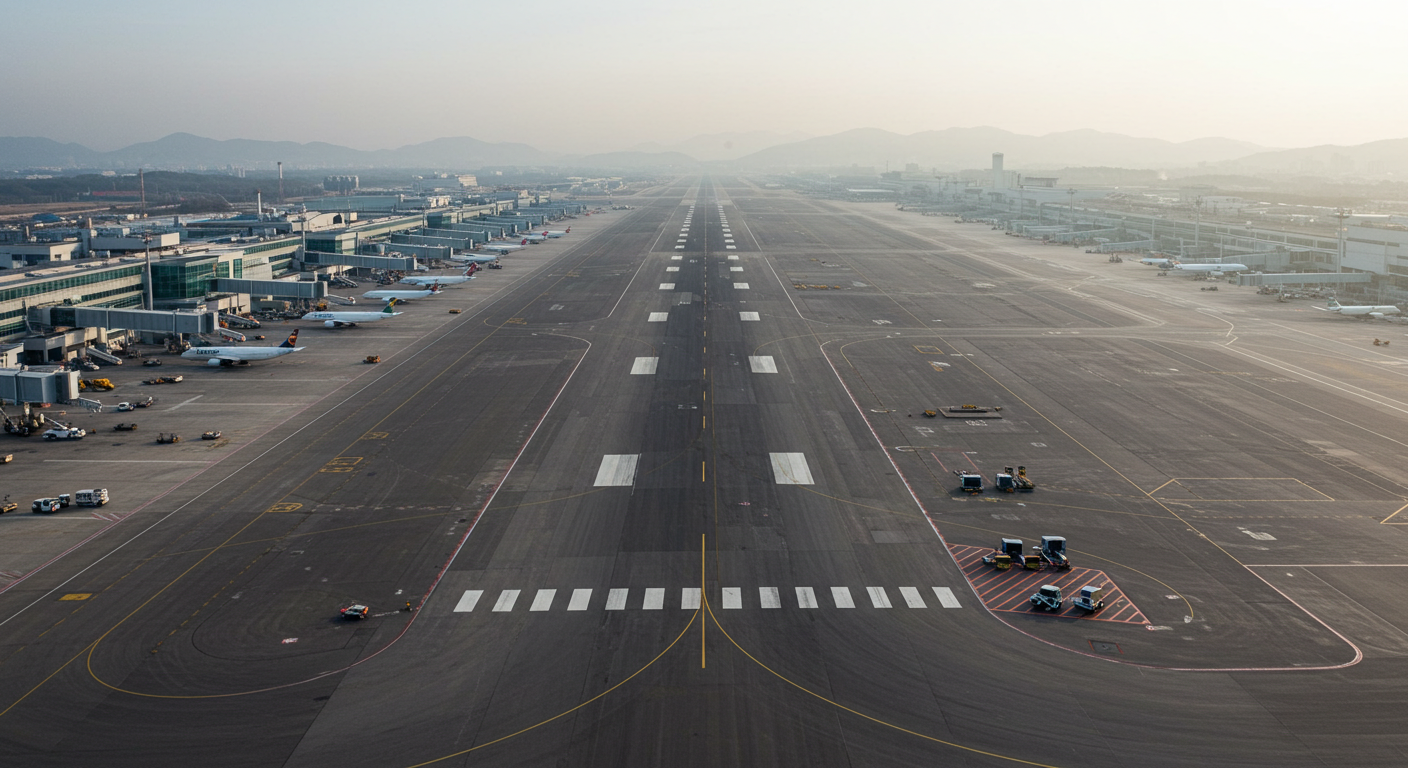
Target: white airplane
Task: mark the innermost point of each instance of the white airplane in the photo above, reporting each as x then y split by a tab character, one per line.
534	239
502	248
1156	262
1364	310
388	294
1214	268
228	356
442	279
553	233
474	258
350	319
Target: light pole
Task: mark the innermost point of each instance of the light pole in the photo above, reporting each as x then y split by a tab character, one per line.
147	296
1341	214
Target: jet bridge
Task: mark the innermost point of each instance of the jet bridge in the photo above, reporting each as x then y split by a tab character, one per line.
147	321
323	258
1305	278
283	289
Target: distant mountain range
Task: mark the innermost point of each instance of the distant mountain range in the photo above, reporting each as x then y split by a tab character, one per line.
947	150
713	147
183	151
958	148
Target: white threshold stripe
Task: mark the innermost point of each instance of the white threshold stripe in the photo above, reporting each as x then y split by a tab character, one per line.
878	598
689	599
617	469
644	365
616	599
735	269
806	597
676	258
672	269
762	364
468	600
741	286
667	286
912	598
658	317
748	317
842	597
733	598
946	597
506	600
581	598
543	600
654	599
791	469
733	257
767	597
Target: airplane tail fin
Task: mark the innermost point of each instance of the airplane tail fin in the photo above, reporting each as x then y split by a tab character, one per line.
291	340
390	307
569	230
474	267
525	241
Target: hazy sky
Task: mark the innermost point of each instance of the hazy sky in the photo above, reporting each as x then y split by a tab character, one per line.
599	75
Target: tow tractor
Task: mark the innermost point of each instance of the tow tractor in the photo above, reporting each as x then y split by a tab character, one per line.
1047	598
969	482
1091	598
1009	481
1053	551
1007	552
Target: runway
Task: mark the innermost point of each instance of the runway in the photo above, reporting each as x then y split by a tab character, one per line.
672	500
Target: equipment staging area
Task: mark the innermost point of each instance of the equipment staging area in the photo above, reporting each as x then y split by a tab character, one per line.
664	493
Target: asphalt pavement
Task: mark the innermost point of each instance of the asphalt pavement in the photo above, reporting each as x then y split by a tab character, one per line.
670	497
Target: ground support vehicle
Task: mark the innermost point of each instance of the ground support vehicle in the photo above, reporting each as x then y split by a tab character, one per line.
373	358
213	434
356	612
1008	551
969	482
126	426
168	437
9	506
1091	598
1047	598
91	497
44	506
1053	551
64	433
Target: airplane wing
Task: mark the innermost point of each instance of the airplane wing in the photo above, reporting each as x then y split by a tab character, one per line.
224	358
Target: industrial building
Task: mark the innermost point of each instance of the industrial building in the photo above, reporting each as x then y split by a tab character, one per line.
160	275
1191	226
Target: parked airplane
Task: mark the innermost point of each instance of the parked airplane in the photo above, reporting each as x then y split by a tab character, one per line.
502	248
1156	262
228	356
534	239
556	233
1216	268
1365	310
388	294
350	319
442	279
474	258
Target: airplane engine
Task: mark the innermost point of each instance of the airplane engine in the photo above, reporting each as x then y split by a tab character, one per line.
213	362
329	324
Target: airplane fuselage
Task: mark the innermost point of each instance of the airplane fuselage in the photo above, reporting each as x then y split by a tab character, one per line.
388	295
1211	267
